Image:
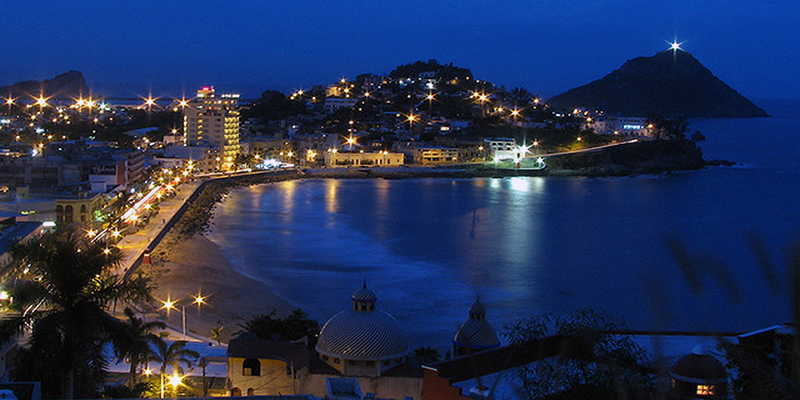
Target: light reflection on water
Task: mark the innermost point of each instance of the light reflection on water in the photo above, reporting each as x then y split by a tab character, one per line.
526	245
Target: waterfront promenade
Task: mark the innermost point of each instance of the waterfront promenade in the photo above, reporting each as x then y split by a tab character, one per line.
133	246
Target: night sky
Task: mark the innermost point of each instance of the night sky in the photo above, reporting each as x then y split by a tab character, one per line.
546	46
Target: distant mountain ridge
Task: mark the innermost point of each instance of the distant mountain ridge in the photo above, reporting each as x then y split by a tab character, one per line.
670	83
70	84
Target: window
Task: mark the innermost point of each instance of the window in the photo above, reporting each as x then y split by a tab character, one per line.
705	390
336	361
251	367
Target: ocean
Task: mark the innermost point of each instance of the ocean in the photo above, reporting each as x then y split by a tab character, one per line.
531	245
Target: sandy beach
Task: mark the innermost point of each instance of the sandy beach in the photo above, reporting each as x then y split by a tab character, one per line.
183	267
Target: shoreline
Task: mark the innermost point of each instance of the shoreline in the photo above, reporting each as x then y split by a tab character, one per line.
185	266
187	262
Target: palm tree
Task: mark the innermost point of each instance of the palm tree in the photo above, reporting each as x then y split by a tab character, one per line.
174	354
520	95
216	334
61	299
136	342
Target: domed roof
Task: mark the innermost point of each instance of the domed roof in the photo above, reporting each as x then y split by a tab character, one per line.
476	333
363	334
477	308
364	294
698	365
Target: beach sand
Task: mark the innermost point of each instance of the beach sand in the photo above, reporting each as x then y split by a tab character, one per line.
183	267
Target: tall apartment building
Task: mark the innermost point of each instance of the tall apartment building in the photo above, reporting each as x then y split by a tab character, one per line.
211	120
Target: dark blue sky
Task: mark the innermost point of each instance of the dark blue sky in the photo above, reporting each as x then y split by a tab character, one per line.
546	46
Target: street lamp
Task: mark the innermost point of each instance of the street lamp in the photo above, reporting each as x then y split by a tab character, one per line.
411	118
175	380
170	304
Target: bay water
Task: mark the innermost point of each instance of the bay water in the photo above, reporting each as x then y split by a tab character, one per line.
530	245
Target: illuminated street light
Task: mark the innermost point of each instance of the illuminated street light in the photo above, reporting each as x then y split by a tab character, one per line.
169	305
41	101
175	380
149	102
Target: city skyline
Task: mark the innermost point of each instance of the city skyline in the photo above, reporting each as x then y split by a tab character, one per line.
249	47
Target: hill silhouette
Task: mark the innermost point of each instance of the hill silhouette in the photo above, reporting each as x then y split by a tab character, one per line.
68	85
670	83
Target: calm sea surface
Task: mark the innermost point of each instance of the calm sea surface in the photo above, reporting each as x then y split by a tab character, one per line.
427	247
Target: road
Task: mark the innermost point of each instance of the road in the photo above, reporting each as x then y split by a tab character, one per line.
133	245
589	149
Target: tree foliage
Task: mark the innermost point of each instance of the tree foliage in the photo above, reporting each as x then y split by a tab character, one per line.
274	105
668	128
292	327
173	354
597	361
65	286
134	343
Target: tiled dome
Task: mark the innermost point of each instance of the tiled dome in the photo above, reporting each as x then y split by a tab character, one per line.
364	294
476	333
363	334
698	366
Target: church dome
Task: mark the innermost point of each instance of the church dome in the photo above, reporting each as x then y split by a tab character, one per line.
364	294
476	333
698	366
363	333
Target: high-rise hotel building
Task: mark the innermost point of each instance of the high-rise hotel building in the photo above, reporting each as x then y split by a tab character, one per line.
211	120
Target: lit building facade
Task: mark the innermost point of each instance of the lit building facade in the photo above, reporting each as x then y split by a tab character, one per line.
214	121
613	125
379	159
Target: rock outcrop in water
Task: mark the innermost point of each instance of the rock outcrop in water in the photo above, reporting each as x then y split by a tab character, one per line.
670	83
648	157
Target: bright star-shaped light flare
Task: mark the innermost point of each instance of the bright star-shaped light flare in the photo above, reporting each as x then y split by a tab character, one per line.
675	45
523	150
168	304
175	380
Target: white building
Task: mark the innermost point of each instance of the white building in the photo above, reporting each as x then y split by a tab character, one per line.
628	126
500	148
334	103
379	159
